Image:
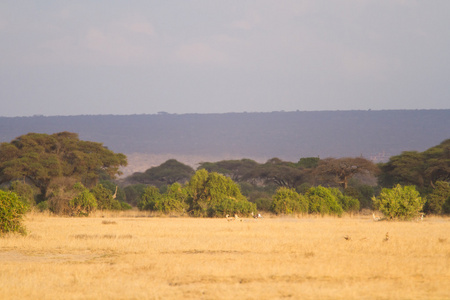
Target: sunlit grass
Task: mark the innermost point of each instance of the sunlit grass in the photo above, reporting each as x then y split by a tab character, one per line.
130	255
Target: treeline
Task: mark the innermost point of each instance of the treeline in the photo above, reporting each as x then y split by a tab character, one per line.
66	175
314	185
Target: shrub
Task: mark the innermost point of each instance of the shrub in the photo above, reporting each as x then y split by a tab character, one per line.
322	201
288	201
26	192
148	199
402	203
348	203
125	206
435	202
11	213
104	197
42	206
61	191
263	204
213	194
84	203
231	206
133	193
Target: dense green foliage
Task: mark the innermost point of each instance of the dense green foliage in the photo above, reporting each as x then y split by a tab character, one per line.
26	192
83	203
403	203
104	197
421	169
40	158
438	201
288	201
133	193
11	213
213	194
323	201
173	201
51	172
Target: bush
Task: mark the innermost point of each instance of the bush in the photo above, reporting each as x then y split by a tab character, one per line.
42	206
104	197
148	199
84	203
213	194
172	201
133	193
435	202
11	213
61	191
403	203
288	201
26	192
322	201
263	204
125	206
231	206
348	203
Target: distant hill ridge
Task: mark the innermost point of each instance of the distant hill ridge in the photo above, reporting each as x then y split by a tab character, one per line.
286	135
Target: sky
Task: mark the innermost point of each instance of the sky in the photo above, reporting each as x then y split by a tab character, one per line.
208	56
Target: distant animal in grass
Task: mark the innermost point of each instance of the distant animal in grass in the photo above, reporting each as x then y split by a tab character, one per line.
229	218
420	217
375	218
256	216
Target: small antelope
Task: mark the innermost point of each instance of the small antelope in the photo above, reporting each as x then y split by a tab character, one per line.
229	218
375	218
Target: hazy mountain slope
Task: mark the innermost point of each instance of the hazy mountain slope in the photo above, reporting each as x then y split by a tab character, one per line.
287	135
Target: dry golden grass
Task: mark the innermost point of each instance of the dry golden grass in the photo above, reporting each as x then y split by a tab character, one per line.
133	256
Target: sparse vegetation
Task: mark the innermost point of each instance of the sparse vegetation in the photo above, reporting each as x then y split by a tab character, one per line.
202	258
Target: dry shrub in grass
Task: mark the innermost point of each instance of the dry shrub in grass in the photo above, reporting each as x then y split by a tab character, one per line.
107	222
60	192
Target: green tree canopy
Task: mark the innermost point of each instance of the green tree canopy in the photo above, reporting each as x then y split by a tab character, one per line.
39	158
167	173
235	169
422	169
278	172
437	199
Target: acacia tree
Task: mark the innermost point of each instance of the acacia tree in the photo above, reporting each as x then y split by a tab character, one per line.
235	169
278	172
422	169
340	170
39	158
167	173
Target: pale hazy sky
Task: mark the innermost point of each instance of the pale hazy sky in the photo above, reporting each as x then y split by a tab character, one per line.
205	56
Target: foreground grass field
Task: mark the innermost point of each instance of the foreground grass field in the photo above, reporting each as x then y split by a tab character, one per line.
132	257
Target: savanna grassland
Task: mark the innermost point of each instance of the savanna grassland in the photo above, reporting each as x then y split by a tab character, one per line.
133	256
